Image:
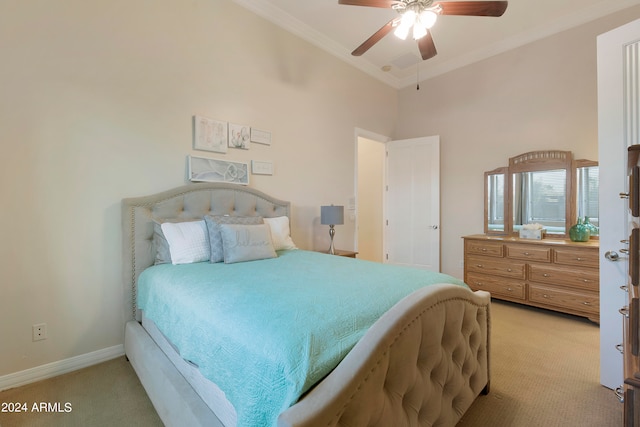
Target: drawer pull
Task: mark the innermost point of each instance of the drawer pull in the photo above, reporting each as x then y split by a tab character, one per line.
620	348
479	266
546	296
619	392
624	250
586	303
484	249
546	275
579	259
509	289
527	254
509	270
624	311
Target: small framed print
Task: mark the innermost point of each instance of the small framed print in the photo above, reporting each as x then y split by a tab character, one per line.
209	134
260	136
239	136
261	167
213	170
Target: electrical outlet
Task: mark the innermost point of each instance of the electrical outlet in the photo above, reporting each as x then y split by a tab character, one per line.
39	331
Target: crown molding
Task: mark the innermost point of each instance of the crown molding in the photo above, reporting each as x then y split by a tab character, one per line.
287	22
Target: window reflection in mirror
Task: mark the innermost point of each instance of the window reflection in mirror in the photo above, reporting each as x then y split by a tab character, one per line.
540	197
495	201
588	182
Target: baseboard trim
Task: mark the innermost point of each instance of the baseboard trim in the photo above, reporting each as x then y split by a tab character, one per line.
60	367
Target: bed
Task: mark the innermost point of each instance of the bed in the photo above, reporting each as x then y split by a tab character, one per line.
422	361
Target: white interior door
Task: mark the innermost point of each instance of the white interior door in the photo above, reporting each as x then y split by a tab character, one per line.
618	124
412	203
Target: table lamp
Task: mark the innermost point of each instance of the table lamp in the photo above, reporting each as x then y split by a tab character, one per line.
332	215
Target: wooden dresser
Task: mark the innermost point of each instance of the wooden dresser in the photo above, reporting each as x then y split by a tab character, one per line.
555	274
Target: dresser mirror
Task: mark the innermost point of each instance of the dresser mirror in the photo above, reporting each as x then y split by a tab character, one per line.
587	185
543	187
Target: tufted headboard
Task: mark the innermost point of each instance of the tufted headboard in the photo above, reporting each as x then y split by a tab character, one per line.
192	201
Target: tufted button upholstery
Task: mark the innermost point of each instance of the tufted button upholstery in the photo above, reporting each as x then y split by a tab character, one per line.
188	202
422	364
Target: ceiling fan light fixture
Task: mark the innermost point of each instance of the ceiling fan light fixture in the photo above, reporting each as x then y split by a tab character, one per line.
406	22
401	32
419	31
428	18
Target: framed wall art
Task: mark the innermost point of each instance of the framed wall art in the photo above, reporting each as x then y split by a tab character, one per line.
259	167
239	136
216	170
209	134
260	136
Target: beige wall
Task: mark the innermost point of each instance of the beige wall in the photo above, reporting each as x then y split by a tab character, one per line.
96	103
540	96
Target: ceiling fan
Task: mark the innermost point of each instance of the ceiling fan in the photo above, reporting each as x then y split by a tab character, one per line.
420	16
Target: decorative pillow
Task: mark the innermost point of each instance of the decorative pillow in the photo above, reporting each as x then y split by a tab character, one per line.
280	233
188	241
213	227
246	242
163	255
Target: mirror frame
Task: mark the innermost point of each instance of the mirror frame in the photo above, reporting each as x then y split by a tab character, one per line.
507	219
537	161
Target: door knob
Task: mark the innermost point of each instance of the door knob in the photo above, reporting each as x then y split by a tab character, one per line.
612	255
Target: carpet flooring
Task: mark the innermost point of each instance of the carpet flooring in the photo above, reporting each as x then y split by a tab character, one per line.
544	367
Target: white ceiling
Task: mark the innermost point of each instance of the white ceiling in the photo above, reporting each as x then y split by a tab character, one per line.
460	40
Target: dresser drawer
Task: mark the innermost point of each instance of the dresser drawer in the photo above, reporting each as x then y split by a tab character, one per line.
578	278
576	257
529	252
497	286
587	302
500	267
479	247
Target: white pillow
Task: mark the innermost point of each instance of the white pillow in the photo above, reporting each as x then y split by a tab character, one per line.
280	232
188	241
246	242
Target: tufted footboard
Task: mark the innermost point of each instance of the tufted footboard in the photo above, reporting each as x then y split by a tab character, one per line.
421	364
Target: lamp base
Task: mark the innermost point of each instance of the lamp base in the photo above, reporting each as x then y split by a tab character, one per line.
332	233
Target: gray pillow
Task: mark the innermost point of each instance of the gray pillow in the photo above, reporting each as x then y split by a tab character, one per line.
163	256
213	226
246	242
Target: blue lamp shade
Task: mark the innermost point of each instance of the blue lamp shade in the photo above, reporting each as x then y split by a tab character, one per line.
332	215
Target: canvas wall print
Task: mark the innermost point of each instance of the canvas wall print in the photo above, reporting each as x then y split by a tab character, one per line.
239	136
260	136
209	134
215	170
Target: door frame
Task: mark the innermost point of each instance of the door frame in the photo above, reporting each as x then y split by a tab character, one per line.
363	133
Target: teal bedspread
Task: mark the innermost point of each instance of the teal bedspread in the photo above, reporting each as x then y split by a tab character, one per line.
266	331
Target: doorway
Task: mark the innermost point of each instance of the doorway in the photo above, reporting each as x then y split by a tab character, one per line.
398	200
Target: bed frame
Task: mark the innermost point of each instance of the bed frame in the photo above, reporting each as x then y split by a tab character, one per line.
422	363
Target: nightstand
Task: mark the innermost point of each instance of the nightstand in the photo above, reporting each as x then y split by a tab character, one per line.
339	252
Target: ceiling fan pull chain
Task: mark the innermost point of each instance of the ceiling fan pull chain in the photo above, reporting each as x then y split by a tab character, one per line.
418	75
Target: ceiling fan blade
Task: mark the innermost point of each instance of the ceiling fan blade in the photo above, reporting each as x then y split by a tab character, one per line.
370	3
427	46
375	38
473	8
